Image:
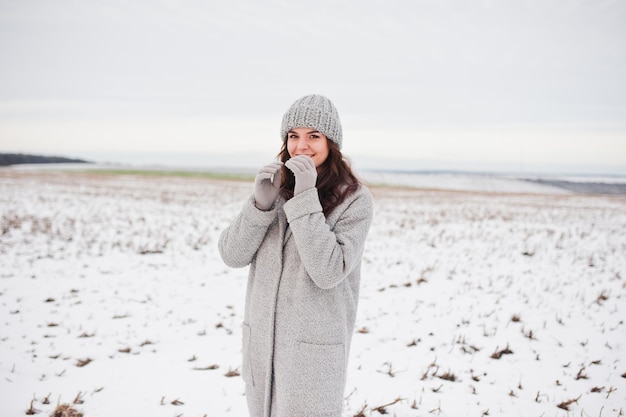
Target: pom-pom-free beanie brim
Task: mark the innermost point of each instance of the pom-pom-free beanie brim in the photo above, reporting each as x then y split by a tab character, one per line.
315	112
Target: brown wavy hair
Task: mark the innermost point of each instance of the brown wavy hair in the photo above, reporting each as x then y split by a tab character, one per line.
335	179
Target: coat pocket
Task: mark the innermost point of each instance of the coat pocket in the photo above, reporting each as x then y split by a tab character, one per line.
246	365
320	375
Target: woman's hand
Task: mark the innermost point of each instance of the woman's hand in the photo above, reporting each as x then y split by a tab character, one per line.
267	185
304	170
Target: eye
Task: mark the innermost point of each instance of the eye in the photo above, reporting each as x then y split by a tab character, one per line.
314	136
292	136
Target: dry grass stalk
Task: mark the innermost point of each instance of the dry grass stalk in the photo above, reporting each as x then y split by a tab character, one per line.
472	349
361	411
232	372
65	410
79	398
389	371
206	368
610	391
436	390
83	362
528	334
31	409
448	376
382	408
436	410
601	298
538	397
498	353
566	404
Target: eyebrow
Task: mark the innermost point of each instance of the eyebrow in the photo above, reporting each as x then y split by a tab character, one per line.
309	132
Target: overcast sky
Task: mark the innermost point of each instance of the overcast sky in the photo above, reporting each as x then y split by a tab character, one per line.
528	85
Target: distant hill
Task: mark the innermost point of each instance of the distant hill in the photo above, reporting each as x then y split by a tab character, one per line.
20	158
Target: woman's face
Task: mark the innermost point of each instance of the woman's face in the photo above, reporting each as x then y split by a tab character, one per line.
309	142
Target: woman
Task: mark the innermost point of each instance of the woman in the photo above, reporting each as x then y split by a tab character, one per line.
302	233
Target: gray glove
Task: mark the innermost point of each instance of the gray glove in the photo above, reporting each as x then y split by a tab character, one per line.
304	170
267	185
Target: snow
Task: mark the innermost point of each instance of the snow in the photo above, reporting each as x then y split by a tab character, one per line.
122	272
459	182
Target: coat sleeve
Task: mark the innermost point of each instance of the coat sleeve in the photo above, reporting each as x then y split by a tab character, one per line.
329	256
240	241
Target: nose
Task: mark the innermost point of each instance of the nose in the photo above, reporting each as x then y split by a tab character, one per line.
302	143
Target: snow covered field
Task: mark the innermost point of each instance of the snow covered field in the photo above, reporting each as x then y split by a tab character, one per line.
113	299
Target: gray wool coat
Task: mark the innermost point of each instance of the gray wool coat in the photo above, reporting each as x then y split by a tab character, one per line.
301	300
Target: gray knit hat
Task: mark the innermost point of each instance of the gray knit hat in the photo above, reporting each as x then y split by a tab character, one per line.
315	112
